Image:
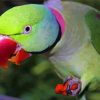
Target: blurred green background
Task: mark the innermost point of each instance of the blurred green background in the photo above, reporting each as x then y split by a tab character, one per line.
34	79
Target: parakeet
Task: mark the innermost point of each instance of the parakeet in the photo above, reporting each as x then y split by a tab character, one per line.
68	32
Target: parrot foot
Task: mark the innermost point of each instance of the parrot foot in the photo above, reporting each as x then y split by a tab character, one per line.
70	87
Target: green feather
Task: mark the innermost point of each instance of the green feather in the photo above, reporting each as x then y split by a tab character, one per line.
14	20
93	22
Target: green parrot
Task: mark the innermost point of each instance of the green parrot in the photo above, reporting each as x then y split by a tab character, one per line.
69	34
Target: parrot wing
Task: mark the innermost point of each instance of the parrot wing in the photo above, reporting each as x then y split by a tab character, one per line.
93	22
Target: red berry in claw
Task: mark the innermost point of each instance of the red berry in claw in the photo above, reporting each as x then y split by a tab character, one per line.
59	89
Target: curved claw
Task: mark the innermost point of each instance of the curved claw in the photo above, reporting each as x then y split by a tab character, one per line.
74	86
71	86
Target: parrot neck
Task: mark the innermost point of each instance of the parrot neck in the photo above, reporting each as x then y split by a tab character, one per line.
47	50
59	18
61	23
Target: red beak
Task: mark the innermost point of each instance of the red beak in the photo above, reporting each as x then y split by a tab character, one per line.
7	51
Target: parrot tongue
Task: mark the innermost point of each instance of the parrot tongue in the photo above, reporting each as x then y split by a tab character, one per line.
9	52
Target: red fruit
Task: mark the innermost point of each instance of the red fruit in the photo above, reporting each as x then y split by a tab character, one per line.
59	89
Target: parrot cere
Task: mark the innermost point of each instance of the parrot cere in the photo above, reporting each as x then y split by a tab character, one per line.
68	32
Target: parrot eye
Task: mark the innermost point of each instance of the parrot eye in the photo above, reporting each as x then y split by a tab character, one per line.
27	29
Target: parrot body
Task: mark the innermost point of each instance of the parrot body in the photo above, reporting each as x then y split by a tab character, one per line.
70	37
76	53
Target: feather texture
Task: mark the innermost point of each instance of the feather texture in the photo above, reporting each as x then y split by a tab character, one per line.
54	4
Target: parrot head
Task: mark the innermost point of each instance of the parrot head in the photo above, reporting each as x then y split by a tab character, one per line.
33	27
30	26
